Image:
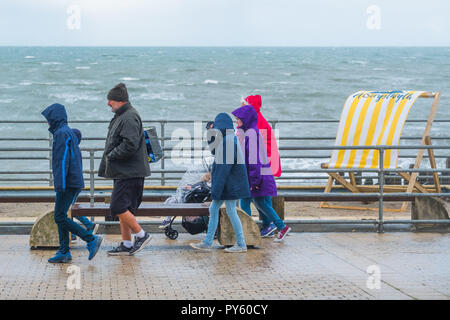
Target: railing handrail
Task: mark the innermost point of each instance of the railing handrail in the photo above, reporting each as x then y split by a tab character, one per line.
330	147
206	120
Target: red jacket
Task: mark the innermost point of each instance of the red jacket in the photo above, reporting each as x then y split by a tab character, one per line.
268	135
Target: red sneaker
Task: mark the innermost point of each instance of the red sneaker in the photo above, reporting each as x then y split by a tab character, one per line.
282	234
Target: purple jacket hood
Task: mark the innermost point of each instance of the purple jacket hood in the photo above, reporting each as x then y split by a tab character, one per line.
248	116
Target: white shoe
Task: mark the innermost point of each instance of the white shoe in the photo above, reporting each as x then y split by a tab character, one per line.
236	249
200	246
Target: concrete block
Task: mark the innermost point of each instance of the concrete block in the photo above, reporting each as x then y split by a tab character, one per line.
278	206
44	232
226	235
428	208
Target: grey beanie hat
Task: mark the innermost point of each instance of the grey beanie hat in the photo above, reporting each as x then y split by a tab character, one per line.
118	93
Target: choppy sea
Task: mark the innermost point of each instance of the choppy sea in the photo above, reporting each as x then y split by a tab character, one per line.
175	83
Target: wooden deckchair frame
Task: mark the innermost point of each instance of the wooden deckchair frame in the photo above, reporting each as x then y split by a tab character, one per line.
413	184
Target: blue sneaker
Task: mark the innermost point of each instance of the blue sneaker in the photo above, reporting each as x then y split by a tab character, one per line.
60	257
269	231
93	228
165	223
93	246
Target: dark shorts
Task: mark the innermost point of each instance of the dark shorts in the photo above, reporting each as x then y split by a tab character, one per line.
126	195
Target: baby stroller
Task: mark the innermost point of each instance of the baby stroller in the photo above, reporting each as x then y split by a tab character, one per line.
194	187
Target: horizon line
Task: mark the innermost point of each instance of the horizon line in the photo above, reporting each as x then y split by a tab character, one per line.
226	46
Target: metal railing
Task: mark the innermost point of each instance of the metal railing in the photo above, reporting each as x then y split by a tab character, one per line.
380	196
168	173
379	174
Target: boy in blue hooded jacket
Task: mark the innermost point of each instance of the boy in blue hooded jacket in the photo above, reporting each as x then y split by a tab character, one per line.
67	168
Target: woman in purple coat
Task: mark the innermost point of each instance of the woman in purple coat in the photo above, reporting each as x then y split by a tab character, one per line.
260	177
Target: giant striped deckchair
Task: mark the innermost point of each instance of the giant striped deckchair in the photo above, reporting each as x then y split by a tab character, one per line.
371	118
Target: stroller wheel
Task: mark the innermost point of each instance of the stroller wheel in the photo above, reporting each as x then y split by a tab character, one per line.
173	235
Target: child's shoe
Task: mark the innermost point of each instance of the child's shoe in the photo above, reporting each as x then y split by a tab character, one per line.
93	246
165	223
60	257
236	249
269	231
282	234
201	246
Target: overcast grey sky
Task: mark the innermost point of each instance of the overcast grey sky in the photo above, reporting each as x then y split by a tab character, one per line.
225	23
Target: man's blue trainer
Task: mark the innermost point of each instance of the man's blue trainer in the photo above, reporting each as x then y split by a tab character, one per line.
60	257
93	246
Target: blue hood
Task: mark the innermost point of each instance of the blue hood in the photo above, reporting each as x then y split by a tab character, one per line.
56	116
223	122
77	134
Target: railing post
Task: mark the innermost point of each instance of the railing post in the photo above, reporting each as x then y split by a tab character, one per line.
91	176
92	179
381	190
163	176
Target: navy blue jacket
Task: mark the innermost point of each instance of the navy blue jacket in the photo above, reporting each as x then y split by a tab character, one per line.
228	178
67	165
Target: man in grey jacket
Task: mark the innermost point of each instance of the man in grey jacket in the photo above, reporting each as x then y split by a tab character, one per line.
125	161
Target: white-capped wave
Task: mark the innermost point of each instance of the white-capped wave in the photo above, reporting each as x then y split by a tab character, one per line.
209	81
82	68
26	83
165	96
82	82
361	62
29	57
6	86
74	97
129	79
51	63
6	100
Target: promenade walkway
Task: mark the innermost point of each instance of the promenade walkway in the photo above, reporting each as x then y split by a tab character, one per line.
306	266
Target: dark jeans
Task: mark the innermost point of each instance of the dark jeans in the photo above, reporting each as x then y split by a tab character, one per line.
245	205
85	221
264	206
65	225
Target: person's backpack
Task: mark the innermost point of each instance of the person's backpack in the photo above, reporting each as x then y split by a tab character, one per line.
154	150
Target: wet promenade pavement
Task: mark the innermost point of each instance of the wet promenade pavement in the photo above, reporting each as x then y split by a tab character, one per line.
307	266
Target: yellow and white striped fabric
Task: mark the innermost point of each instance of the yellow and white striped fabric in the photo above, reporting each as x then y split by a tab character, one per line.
371	118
